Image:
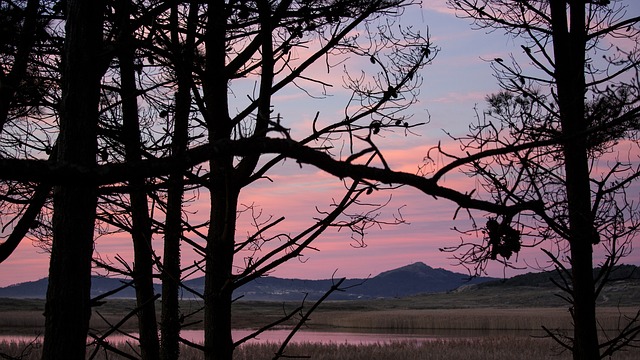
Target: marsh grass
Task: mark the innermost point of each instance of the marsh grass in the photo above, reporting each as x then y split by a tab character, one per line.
397	320
400	320
485	348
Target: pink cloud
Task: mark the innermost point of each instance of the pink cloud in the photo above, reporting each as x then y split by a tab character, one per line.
438	6
27	263
456	81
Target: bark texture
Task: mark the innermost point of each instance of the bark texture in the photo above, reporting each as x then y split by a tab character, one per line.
68	308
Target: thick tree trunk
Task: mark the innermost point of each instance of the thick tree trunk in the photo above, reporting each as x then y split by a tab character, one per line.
569	50
141	233
68	309
220	250
224	190
586	345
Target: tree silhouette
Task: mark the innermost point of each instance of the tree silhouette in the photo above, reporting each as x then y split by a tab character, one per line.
146	113
557	134
119	62
67	308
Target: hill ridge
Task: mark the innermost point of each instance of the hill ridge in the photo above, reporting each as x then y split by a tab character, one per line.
409	280
412	279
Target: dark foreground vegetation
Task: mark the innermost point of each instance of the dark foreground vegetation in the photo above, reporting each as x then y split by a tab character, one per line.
486	348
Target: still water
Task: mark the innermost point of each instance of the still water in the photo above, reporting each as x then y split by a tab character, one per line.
306	336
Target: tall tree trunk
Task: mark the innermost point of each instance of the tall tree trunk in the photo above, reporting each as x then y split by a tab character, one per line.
68	308
141	233
170	319
569	49
171	270
224	192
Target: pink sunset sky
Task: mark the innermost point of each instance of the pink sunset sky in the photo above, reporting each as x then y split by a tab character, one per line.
458	79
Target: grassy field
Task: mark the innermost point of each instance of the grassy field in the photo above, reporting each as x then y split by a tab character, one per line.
490	348
465	319
17	320
493	348
424	312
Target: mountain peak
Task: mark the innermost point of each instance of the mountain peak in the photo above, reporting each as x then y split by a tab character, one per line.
416	268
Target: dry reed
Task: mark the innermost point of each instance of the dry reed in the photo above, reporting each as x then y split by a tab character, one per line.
462	319
484	348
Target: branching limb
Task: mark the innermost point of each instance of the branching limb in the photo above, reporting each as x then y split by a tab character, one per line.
335	287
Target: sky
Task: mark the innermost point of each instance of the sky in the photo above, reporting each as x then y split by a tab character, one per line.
458	79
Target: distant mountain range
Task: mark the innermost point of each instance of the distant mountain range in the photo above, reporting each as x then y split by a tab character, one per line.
417	278
405	281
